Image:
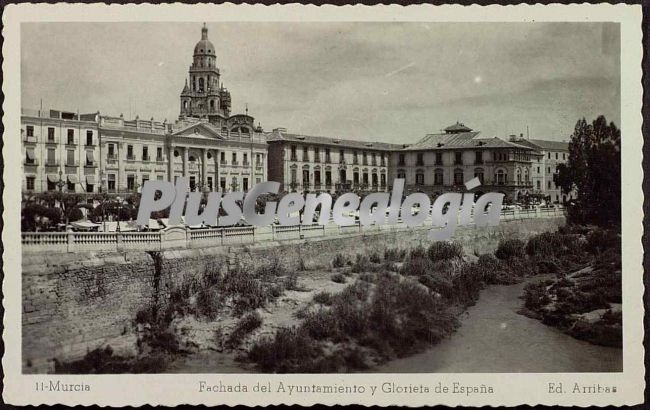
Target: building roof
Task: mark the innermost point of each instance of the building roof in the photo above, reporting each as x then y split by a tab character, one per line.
458	127
460	140
204	46
282	135
545	145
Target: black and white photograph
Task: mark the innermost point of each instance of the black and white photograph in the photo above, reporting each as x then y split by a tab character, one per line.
230	197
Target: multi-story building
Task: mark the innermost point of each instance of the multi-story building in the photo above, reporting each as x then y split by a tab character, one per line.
445	161
97	153
60	151
320	164
550	155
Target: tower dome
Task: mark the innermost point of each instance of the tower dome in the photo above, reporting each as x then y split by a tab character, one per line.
204	46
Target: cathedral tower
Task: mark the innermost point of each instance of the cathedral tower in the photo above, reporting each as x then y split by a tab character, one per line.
204	96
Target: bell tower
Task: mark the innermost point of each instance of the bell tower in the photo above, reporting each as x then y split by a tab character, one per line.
204	95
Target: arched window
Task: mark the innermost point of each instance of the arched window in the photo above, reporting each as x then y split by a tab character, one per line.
458	177
185	105
518	175
212	104
201	84
438	177
526	175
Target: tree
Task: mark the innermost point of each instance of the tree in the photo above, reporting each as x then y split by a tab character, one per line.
594	171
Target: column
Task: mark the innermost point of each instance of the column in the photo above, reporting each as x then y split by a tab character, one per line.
185	162
204	167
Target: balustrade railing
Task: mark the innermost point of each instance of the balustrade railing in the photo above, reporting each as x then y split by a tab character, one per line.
191	238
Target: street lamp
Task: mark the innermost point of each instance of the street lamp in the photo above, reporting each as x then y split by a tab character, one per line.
60	182
119	209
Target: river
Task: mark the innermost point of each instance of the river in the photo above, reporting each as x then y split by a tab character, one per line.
494	338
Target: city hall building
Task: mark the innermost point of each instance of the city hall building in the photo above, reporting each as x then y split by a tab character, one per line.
216	150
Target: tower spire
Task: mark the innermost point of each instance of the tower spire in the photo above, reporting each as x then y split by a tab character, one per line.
204	32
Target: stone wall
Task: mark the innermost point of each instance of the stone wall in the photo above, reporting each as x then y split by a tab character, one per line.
73	303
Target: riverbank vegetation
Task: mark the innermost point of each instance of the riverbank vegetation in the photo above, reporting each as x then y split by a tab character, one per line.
584	300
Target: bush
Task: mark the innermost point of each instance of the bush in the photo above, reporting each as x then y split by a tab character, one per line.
338	278
272	269
545	244
444	250
245	326
375	257
285	351
418	252
510	248
209	302
324	298
599	240
417	266
394	254
361	264
339	261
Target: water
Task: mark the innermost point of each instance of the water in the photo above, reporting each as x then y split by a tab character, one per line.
494	338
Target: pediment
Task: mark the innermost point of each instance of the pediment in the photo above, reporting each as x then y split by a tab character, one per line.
199	130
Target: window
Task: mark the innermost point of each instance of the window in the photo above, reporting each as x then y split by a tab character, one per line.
439	158
129	152
501	177
382	160
365	178
30	183
538	170
294	176
458	158
355	178
556	155
51	185
401	174
374	159
375	181
89	138
70	137
222	184
365	158
478	173
518	175
192	183
30	156
245	184
234	158
70	186
70	158
419	177
111	182
458	177
245	158
210	183
341	155
111	151
327	155
563	156
328	178
51	156
305	154
548	185
355	157
420	160
294	157
130	182
383	179
90	187
438	177
539	184
317	178
316	154
548	170
30	130
479	157
305	177
159	156
145	153
549	155
50	134
401	160
223	157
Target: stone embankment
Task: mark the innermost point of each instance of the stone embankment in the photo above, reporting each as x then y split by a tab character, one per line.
74	303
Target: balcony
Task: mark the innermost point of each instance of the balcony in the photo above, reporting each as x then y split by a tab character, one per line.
70	143
90	164
159	159
30	162
235	163
246	164
328	160
52	163
50	141
130	157
90	144
146	158
29	138
355	162
223	162
111	157
478	162
293	157
317	158
72	164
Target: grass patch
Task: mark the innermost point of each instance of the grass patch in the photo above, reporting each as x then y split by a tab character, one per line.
245	326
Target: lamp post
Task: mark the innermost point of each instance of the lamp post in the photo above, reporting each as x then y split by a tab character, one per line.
60	182
119	209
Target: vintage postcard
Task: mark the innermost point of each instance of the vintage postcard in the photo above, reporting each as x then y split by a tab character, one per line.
374	205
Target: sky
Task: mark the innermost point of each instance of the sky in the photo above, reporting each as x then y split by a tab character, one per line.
391	82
